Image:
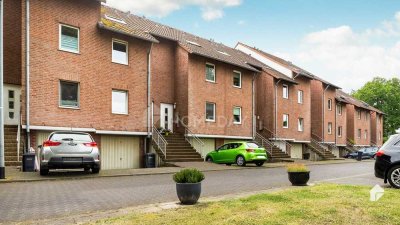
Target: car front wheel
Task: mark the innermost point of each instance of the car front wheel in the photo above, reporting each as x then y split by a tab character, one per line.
240	161
209	159
394	177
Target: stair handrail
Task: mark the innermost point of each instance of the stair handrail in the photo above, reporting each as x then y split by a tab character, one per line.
352	144
263	142
190	137
160	141
274	136
316	142
322	142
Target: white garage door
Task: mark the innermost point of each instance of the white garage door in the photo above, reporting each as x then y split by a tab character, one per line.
119	152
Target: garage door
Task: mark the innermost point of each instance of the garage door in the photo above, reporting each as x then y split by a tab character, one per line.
119	152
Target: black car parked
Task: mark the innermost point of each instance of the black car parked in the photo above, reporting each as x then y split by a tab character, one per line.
387	165
367	153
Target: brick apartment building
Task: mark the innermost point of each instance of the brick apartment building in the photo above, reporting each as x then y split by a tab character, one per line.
123	78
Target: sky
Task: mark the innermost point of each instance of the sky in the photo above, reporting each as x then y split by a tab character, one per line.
347	42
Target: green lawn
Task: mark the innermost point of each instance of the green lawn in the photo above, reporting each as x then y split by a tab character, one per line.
321	204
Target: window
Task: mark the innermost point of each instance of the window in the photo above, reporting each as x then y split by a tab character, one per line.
359	134
237	79
366	116
11	102
120	52
339	109
329	128
285	91
69	39
69	94
300	124
119	102
285	121
380	134
210	112
365	134
210	72
237	115
329	104
359	114
339	132
300	97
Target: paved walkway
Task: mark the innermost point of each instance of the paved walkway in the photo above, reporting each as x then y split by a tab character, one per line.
38	200
14	174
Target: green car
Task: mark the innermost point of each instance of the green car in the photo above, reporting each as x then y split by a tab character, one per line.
238	152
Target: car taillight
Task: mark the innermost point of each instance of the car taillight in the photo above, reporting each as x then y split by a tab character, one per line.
249	150
91	144
380	153
51	143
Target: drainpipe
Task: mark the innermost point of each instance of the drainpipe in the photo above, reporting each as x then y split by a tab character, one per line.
2	161
276	107
27	88
253	106
149	94
323	113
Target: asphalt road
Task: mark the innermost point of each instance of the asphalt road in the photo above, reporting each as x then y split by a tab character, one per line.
39	200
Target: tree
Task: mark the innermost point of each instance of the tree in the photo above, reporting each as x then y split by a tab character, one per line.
383	94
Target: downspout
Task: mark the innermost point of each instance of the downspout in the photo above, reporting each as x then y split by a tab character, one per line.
27	88
323	113
149	94
253	106
2	161
276	108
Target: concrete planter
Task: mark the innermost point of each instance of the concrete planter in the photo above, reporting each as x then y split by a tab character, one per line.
299	178
189	193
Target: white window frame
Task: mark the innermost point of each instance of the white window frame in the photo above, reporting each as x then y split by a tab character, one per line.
214	113
127	50
300	96
240	78
300	125
340	131
359	114
78	95
283	120
285	95
359	133
365	134
330	128
240	115
215	73
329	104
126	102
340	109
59	38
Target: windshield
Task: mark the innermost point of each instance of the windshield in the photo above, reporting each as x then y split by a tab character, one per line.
71	137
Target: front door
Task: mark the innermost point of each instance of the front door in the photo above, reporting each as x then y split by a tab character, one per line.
11	98
167	115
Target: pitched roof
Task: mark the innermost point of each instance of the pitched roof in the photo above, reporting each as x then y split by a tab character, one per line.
346	98
140	27
289	65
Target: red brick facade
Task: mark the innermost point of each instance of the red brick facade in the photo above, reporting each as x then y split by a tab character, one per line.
341	121
358	125
376	129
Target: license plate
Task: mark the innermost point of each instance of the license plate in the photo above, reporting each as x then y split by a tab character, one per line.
72	159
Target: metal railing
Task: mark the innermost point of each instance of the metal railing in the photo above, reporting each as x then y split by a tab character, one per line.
321	142
268	145
192	139
273	136
319	146
160	141
351	143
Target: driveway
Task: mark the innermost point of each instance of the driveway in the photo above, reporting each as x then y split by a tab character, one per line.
37	200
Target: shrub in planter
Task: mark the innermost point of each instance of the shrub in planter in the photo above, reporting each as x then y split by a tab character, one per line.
188	185
298	174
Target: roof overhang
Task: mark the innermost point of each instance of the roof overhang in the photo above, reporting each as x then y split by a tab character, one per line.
100	25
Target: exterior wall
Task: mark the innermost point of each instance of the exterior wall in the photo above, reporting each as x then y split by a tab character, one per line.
162	75
295	111
379	129
363	124
341	120
12	41
223	94
376	129
181	81
265	98
296	151
321	115
92	68
350	114
209	146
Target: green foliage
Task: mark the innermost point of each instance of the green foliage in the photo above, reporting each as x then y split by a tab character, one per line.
297	167
188	176
383	94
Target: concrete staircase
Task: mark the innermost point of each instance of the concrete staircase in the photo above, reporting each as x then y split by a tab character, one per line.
10	146
179	150
321	151
274	152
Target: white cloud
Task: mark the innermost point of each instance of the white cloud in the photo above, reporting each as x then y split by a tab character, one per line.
348	58
210	9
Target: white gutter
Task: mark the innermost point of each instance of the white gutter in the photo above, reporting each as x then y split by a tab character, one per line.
2	160
27	88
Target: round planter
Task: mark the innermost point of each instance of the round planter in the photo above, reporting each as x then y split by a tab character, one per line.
188	194
299	178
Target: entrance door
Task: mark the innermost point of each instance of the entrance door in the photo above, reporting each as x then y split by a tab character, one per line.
167	115
11	99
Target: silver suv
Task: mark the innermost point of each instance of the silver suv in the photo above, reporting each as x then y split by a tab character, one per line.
69	150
